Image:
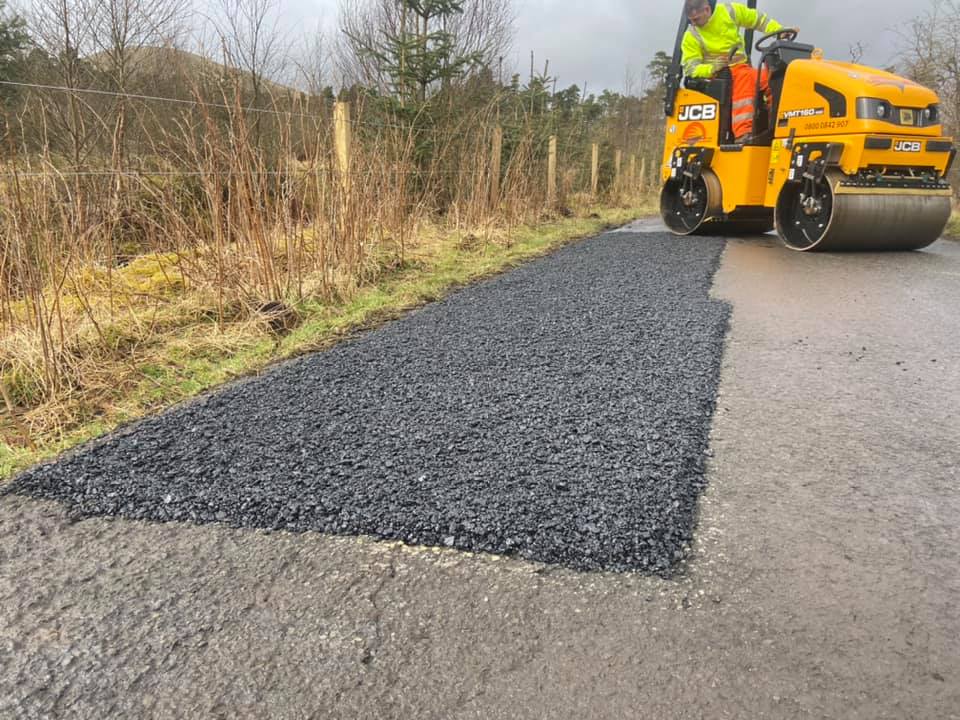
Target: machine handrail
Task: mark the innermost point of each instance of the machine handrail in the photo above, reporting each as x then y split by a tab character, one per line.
675	71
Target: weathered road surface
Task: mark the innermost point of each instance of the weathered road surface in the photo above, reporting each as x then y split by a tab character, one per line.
824	581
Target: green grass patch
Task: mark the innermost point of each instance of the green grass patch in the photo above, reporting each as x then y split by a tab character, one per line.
183	370
953	227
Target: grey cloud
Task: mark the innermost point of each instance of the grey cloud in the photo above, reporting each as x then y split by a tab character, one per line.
596	42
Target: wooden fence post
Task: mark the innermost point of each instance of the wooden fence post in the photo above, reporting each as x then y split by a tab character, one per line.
552	173
643	174
595	170
617	162
341	125
633	172
496	154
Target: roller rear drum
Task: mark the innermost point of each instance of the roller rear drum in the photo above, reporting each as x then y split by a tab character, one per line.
688	203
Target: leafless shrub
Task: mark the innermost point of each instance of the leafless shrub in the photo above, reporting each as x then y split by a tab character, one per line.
149	194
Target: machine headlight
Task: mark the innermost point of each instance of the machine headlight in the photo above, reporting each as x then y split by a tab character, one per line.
931	115
874	109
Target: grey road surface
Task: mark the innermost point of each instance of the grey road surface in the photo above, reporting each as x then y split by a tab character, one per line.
824	580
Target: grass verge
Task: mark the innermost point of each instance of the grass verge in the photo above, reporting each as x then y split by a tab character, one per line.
178	368
953	227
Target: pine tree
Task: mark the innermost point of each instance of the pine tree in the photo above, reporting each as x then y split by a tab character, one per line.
657	70
13	42
422	53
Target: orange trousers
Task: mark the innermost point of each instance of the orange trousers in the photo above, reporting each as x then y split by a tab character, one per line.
744	97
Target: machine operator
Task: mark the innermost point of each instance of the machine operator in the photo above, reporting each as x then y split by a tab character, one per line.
713	42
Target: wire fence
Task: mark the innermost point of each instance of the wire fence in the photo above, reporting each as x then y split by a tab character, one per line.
206	104
327	119
147	174
575	152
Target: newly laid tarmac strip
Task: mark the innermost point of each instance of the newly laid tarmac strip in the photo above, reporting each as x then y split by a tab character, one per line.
823	581
560	412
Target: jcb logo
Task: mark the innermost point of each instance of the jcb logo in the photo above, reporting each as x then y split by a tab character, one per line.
907	146
697	112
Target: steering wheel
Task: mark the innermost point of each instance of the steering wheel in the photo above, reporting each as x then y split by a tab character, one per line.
786	34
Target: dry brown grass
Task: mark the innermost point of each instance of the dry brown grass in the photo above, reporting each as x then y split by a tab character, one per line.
125	291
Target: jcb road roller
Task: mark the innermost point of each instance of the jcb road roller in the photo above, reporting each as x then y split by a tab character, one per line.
842	157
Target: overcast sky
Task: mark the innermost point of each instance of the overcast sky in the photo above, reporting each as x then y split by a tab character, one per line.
596	42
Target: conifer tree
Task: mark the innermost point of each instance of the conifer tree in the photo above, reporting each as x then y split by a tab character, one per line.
13	43
422	53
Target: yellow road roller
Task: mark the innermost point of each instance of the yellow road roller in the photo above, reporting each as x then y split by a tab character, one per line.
842	157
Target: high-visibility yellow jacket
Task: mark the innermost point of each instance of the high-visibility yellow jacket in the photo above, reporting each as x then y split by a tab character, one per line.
719	44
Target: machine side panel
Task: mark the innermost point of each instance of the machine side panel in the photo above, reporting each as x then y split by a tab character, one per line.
695	123
778	174
742	174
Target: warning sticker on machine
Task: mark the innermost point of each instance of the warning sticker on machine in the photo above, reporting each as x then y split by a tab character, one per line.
775	152
804	113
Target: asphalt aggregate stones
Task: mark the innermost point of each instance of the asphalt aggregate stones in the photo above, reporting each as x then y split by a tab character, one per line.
559	412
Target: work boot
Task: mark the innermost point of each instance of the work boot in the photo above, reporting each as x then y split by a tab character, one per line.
744	139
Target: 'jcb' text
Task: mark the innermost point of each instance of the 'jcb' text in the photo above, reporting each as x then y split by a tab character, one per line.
697	112
907	146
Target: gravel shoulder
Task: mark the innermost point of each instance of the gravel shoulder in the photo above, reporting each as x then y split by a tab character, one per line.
823	582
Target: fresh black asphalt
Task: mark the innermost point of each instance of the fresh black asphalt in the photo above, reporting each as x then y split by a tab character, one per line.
559	412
